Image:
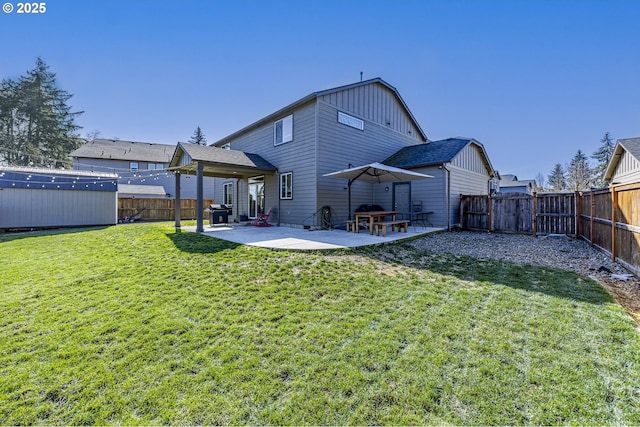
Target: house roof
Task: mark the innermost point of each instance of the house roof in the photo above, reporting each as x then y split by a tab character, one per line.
218	161
510	180
631	146
125	150
313	96
434	153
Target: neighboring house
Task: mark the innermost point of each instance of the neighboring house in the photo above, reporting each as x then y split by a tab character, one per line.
624	166
142	168
458	165
511	184
42	198
279	161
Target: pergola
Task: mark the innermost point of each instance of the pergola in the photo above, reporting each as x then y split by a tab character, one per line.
212	162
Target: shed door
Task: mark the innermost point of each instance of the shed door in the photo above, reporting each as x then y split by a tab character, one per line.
402	197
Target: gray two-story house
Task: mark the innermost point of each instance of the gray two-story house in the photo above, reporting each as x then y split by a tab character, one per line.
278	162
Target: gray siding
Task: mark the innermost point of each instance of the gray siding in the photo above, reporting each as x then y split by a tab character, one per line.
374	103
297	156
469	175
147	177
26	208
465	182
470	158
340	145
627	171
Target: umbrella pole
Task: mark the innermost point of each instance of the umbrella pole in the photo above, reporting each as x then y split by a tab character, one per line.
349	207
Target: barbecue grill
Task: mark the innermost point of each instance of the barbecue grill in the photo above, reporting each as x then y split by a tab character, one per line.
218	214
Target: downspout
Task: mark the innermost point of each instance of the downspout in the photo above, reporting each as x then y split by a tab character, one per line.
448	172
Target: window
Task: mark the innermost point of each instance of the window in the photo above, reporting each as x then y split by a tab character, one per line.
283	130
286	185
133	166
227	194
151	167
226	146
159	166
348	120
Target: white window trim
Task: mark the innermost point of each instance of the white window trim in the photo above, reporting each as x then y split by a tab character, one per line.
287	130
133	168
286	195
227	192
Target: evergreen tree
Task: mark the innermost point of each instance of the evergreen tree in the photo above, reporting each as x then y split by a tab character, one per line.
198	137
579	174
557	180
602	156
36	126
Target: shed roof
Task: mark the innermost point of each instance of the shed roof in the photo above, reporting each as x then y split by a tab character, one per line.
434	153
142	190
313	96
56	179
125	150
217	161
631	146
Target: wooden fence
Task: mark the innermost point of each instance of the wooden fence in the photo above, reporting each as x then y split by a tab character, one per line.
549	213
608	219
158	209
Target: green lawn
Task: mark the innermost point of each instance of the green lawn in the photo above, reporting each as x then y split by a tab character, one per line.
136	324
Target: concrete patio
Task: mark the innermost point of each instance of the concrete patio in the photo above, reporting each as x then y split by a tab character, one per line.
300	239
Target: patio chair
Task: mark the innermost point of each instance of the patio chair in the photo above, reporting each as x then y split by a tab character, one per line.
262	220
419	216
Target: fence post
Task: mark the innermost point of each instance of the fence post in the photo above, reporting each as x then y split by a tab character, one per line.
462	211
576	224
591	214
535	214
614	208
490	204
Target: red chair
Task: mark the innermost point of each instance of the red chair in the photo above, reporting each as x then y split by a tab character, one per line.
262	220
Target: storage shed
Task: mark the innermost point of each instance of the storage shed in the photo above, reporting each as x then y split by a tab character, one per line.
624	166
49	198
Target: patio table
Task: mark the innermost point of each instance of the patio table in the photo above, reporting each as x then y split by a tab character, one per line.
373	216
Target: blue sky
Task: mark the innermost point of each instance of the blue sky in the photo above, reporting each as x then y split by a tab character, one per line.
534	81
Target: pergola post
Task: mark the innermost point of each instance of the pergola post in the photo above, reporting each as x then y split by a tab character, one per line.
176	204
199	198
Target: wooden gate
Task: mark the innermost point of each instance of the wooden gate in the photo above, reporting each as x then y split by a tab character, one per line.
555	213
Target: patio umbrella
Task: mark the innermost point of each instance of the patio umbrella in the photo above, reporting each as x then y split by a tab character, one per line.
375	173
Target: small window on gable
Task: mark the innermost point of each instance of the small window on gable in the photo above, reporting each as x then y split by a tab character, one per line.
348	120
133	166
283	130
286	185
226	146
